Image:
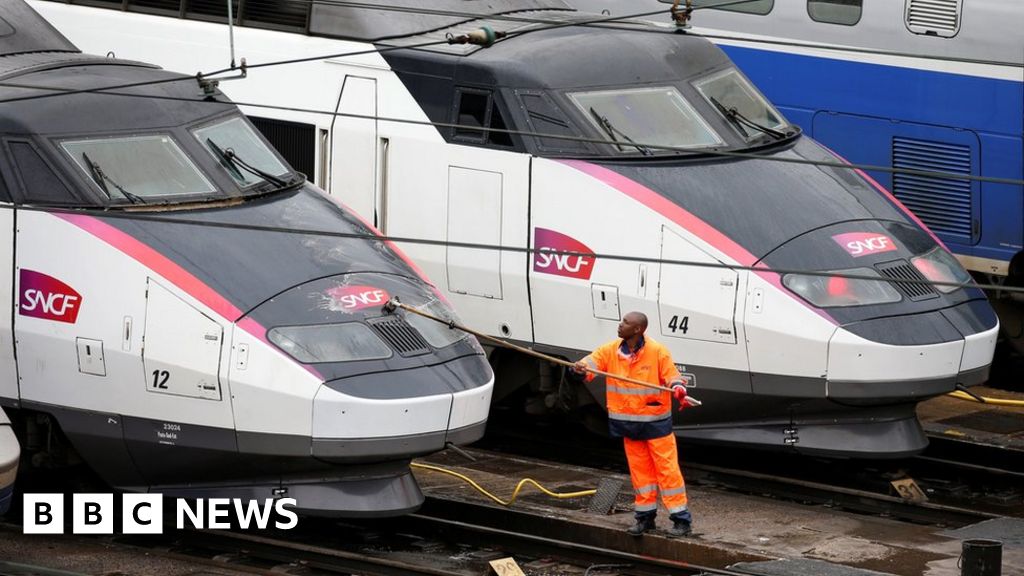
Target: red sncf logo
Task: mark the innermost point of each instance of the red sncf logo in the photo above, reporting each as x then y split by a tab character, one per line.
358	297
545	260
863	243
46	297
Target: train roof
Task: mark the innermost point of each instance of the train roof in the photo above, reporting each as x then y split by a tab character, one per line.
23	30
374	21
545	59
32	103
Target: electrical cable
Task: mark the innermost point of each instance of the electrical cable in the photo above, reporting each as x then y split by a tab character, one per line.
690	152
987	399
139	213
515	493
610	23
376	50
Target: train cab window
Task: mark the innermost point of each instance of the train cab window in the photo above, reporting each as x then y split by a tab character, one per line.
760	7
39	182
631	117
136	167
835	11
738	101
235	135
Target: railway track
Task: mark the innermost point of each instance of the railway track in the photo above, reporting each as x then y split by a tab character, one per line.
954	486
427	543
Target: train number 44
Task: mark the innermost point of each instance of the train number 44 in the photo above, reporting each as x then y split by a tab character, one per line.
677	324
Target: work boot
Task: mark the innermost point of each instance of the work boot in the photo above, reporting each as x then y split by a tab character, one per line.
679	529
641	526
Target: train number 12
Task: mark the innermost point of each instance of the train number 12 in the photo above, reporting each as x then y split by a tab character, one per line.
160	378
675	324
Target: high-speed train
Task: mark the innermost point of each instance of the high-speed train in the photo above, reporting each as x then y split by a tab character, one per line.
176	313
616	148
940	88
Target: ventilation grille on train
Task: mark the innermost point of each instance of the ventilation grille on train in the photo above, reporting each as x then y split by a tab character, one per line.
294	140
170	5
944	204
902	270
277	14
402	337
213	8
933	17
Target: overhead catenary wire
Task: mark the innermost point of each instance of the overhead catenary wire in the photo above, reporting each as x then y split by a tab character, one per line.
139	213
690	152
108	90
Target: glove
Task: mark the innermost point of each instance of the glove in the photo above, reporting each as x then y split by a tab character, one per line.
679	393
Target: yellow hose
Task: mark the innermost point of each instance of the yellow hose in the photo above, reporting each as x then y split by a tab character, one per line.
515	493
993	401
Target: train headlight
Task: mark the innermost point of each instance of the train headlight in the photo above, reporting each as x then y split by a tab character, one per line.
330	342
832	291
940	266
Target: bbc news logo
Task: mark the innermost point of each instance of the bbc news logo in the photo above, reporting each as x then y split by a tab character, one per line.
144	513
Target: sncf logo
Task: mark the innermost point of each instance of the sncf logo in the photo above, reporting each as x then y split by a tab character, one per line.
350	298
46	297
863	243
571	265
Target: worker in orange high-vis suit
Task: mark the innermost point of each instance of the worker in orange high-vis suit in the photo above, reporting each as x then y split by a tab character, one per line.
642	416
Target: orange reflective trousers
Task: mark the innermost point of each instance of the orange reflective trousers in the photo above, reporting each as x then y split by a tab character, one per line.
654	468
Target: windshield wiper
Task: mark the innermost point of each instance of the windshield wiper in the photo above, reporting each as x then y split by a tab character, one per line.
101	179
606	125
739	120
232	163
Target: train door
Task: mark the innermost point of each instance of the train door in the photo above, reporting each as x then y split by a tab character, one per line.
457	196
188	415
353	158
697	315
8	368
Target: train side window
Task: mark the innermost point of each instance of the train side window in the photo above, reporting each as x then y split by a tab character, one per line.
846	12
478	109
473	112
760	7
39	183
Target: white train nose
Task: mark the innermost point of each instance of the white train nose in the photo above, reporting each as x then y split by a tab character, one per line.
398	415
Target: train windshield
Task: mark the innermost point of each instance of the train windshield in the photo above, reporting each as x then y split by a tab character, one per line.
739	102
136	168
634	119
235	145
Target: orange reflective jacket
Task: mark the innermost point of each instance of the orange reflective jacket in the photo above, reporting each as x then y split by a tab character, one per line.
629	402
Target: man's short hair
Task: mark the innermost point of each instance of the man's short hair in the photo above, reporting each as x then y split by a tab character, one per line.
641	317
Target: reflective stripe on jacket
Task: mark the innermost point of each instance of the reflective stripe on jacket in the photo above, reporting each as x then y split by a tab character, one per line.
628	402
